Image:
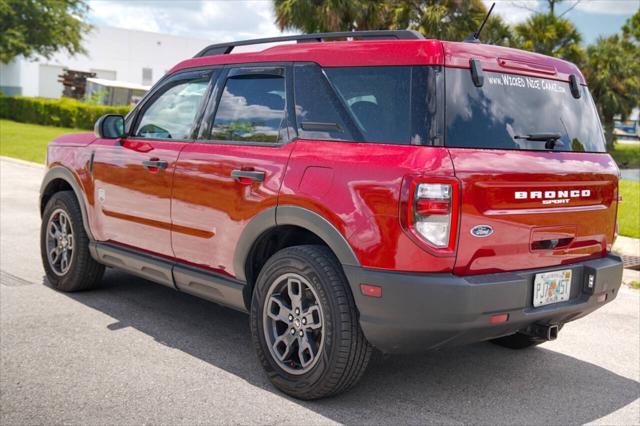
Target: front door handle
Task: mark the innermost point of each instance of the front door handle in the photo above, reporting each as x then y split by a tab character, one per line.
246	177
154	165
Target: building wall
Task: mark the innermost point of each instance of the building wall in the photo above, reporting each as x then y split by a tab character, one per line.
113	53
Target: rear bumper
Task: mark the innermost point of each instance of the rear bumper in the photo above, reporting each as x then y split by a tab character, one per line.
418	312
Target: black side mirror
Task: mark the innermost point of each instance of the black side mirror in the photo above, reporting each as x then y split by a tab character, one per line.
110	126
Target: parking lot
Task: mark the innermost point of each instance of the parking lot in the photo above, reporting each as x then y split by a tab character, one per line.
136	352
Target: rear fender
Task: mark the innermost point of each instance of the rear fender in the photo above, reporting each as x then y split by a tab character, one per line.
297	216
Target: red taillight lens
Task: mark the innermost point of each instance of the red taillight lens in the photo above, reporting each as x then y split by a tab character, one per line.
431	211
426	207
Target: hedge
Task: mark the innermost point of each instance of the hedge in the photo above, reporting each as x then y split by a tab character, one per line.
63	112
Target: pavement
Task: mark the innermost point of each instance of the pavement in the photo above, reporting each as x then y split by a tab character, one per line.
136	352
630	174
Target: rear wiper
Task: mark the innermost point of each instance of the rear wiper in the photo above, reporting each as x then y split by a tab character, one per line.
551	139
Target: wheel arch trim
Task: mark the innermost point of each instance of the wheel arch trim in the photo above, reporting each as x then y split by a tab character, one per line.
65	174
291	215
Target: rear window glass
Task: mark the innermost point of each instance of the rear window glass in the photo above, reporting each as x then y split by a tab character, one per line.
509	110
365	104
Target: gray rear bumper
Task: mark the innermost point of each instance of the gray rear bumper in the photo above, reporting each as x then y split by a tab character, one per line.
418	312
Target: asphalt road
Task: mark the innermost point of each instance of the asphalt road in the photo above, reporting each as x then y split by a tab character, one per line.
136	352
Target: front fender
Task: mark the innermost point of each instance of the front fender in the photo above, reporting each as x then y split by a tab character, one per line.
63	173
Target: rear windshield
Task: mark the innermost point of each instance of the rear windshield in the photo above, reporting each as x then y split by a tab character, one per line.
509	110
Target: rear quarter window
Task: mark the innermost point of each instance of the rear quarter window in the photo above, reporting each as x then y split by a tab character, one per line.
508	107
394	104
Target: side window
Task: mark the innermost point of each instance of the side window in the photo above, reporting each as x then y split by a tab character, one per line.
172	114
378	99
251	108
316	106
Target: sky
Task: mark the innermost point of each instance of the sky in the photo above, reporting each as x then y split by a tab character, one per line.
228	20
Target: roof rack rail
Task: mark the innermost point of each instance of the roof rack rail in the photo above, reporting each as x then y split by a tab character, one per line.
226	48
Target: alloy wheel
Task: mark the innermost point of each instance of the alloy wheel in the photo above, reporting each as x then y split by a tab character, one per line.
59	242
293	323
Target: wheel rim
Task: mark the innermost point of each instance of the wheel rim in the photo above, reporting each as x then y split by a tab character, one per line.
293	323
60	242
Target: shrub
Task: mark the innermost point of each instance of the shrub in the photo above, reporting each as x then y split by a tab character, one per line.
55	112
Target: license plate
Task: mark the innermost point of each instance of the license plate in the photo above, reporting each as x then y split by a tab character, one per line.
551	287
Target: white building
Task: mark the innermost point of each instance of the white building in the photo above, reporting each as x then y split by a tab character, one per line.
136	57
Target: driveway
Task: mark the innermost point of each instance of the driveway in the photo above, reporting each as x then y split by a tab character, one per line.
136	352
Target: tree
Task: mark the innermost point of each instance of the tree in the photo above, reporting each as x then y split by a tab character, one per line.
449	19
631	29
612	71
550	35
443	19
312	16
41	27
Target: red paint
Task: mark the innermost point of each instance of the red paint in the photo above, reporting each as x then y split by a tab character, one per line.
210	209
504	59
136	210
363	202
335	54
489	180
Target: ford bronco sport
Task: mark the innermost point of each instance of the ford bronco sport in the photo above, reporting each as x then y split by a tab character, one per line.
380	190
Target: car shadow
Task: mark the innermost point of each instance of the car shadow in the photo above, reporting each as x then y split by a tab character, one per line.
480	384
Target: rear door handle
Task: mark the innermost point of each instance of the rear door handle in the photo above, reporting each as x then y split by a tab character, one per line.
154	165
247	176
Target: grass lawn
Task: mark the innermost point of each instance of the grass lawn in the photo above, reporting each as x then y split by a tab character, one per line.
627	156
28	141
629	209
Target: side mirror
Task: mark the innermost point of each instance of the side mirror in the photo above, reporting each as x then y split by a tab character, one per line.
110	126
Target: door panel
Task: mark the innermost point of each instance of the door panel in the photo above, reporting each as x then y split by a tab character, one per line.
133	200
210	208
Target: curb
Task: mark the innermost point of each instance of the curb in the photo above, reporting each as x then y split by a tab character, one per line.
21	162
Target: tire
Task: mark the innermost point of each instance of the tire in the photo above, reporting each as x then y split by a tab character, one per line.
81	271
518	341
334	352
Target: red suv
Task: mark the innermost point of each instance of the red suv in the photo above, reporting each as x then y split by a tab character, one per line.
381	190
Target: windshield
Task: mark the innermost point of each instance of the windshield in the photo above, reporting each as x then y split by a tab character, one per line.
516	112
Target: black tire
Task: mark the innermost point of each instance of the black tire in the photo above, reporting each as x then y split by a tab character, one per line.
518	341
83	272
344	352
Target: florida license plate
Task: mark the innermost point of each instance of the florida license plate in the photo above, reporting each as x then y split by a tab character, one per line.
551	287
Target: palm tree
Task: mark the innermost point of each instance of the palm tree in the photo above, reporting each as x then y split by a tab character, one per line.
312	16
443	19
613	73
449	19
550	35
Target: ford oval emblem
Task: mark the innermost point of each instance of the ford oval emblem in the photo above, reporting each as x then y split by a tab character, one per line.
481	231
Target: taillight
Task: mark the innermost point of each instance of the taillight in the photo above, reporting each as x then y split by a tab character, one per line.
430	212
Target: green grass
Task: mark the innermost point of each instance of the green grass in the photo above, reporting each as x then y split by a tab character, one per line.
627	156
28	141
629	209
